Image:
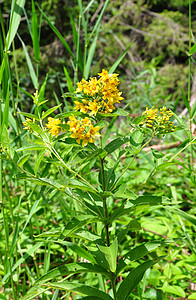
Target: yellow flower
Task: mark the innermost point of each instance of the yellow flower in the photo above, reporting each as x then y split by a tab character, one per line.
94	107
83	130
93	131
81	106
53	125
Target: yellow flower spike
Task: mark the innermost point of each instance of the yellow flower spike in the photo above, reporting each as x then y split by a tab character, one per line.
96	91
53	125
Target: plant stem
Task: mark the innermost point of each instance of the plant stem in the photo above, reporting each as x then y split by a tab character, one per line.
114	288
106	224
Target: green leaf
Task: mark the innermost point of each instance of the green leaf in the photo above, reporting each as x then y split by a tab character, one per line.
98	21
80	289
133	278
77	223
193	49
192	296
78	250
72	268
38	161
5	142
61	38
147	200
23	159
137	253
42	91
184	215
3	297
49	111
35	35
30	65
186	102
5	111
133	225
168	164
176	290
68	114
138	120
34	127
15	17
110	254
117	62
91	54
193	110
34	293
102	124
157	154
30	148
28	115
136	138
115	144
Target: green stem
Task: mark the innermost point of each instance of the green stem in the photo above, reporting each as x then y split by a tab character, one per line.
114	288
107	225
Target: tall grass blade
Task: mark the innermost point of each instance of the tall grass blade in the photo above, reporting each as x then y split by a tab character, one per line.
117	62
15	17
77	44
35	35
98	21
91	54
30	65
61	38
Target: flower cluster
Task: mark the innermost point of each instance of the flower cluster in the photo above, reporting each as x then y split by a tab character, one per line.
159	120
53	125
83	130
98	94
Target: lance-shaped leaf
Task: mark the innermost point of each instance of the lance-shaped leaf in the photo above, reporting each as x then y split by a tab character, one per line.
147	200
49	111
80	289
30	65
23	159
110	254
136	253
77	223
115	144
72	268
35	34
28	115
133	225
133	278
15	17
